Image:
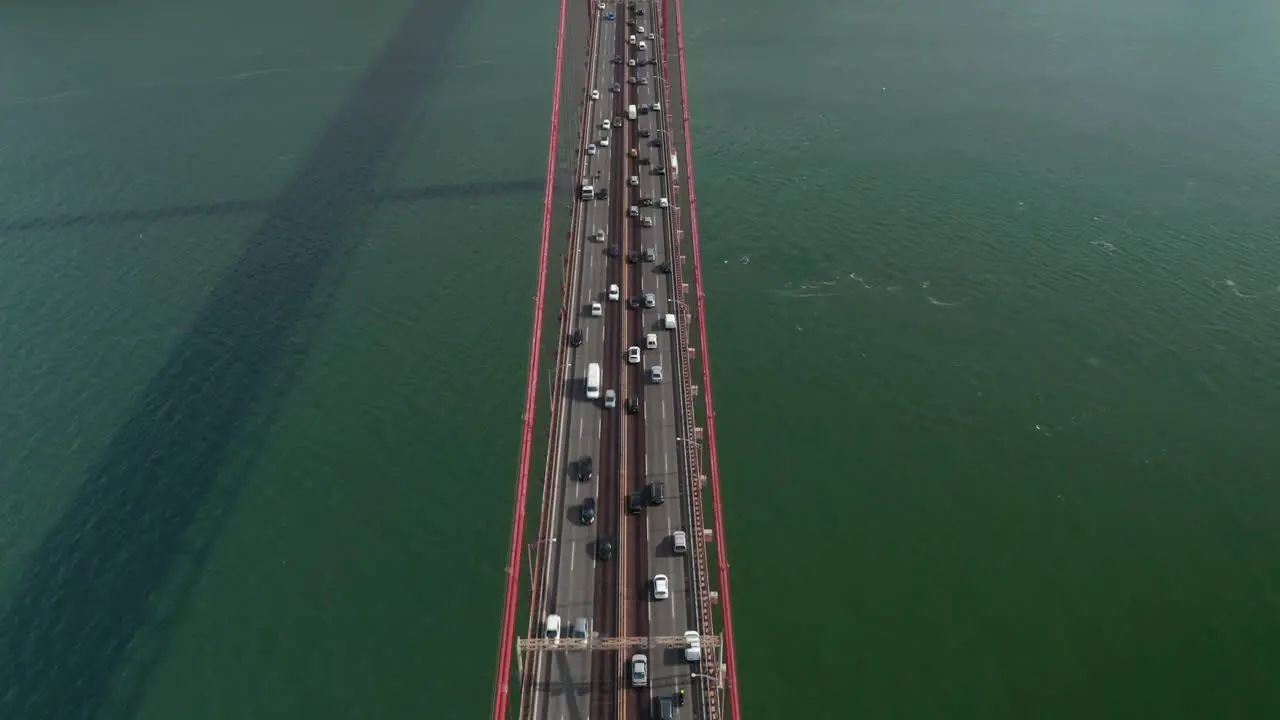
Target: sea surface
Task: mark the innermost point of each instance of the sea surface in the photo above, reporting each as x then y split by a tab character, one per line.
994	308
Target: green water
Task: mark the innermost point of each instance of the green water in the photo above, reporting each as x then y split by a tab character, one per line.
1007	271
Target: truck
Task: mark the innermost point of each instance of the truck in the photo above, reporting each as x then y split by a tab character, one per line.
588	191
631	112
593	381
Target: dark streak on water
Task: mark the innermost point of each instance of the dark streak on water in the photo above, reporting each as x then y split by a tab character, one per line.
86	592
227	207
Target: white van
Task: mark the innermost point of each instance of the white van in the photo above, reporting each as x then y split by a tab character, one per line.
553	627
651	341
669	321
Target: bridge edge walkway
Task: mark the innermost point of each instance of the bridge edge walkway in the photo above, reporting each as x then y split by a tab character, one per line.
717	511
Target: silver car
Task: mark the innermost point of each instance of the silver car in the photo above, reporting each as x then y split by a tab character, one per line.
650	300
610	399
639	671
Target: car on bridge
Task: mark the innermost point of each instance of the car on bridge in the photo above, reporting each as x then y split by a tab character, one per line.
693	649
661	587
639	671
588	511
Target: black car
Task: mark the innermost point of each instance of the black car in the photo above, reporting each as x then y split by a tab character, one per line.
653	62
633	405
646	202
644	109
585	469
664	268
657	493
602	194
646	132
617	60
616	88
643	81
635	502
640	12
656	142
659	170
644	161
613	251
604	548
665	709
633	302
588	511
576	339
633	256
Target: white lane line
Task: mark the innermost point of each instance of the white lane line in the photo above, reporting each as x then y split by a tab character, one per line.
666	462
664	411
573	553
580	420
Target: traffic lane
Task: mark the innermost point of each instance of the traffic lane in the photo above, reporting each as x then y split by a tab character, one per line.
572	596
666	459
572	593
568	685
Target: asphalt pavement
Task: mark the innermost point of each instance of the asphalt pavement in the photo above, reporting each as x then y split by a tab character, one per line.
564	685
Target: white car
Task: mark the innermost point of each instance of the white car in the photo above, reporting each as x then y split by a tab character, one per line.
601	6
596	309
655	372
693	653
651	341
656	107
591	149
663	202
604	141
652	36
595	94
610	399
553	627
606	124
639	671
633	355
661	587
614	293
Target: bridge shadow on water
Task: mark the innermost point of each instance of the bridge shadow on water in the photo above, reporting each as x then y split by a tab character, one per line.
87	589
360	197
